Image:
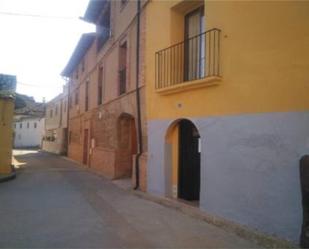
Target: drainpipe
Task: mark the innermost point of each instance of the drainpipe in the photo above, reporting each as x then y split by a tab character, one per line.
68	116
138	104
60	122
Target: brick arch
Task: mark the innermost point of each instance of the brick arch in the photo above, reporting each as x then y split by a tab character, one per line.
126	145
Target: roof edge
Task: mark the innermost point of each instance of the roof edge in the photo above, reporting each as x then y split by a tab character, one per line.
94	9
81	48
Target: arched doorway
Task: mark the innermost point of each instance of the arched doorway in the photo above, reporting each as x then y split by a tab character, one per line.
183	160
127	145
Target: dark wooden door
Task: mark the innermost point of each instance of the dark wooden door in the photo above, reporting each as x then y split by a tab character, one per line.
189	162
304	183
85	156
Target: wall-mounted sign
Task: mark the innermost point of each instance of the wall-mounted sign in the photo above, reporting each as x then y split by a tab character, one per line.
7	84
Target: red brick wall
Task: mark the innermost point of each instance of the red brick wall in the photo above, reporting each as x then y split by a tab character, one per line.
102	160
106	134
75	147
106	155
76	152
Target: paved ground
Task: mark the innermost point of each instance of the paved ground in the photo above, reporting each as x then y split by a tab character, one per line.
54	203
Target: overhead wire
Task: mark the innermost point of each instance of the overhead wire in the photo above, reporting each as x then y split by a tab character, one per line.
37	86
17	14
38	15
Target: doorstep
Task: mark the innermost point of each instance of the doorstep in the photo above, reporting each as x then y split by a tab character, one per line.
242	231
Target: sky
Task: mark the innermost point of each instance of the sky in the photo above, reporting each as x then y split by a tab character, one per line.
36	49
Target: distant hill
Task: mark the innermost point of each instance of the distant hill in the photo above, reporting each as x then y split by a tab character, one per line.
25	105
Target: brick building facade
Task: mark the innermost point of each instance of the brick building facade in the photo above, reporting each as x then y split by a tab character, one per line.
103	118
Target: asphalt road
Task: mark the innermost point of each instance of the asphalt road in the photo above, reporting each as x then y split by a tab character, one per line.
54	203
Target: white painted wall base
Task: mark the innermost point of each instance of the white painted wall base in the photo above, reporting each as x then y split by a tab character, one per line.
249	168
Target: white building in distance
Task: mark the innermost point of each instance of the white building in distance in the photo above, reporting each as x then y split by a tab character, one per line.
29	132
29	123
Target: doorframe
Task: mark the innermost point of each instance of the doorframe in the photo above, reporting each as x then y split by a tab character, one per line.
170	159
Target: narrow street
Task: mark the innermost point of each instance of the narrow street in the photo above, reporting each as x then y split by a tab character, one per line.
54	203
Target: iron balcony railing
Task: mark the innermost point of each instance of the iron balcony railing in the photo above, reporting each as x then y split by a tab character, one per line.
195	58
122	80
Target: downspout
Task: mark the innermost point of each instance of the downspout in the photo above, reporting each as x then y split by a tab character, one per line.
68	117
138	102
60	123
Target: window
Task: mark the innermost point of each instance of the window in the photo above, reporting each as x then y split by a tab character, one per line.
195	46
83	65
56	112
76	73
70	102
123	68
87	97
14	126
70	137
51	113
27	125
21	125
100	85
34	125
54	135
76	97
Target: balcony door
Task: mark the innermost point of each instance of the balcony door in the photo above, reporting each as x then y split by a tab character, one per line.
194	67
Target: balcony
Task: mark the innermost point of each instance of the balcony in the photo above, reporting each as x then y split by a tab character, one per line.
193	61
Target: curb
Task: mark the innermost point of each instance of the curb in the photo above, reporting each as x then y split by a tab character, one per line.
8	177
69	159
257	237
244	232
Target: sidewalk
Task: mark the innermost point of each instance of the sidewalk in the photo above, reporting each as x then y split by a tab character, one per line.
244	232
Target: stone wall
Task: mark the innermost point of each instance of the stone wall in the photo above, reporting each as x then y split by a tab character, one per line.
105	153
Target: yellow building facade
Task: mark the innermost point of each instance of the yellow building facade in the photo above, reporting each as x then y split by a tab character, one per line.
7	87
227	108
6	134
